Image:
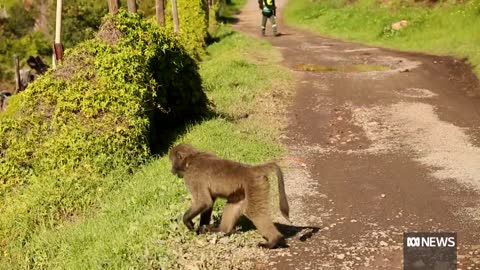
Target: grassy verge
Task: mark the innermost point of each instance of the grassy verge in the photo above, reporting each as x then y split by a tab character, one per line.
138	225
446	28
228	11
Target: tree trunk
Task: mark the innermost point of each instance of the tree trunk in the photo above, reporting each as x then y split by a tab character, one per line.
176	26
132	6
160	12
41	20
113	6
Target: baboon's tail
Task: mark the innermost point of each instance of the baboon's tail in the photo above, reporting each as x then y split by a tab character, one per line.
284	208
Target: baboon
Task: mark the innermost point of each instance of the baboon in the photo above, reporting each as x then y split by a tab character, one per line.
245	187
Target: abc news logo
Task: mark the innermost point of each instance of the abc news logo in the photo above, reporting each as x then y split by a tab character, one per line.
431	242
430	251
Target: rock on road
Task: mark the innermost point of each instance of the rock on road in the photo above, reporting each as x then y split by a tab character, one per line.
381	142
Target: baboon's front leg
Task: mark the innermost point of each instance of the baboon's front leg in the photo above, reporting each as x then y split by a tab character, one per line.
195	210
206	216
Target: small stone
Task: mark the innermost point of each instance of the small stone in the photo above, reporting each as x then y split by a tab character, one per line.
383	195
341	256
353	220
213	240
339	118
383	243
399	25
191	267
223	240
418	264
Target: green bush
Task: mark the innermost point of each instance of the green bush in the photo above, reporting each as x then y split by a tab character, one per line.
93	116
96	108
31	44
193	23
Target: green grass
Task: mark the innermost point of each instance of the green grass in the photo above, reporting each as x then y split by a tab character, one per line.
138	224
446	28
228	11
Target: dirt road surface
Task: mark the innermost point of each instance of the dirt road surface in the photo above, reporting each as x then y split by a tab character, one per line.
381	143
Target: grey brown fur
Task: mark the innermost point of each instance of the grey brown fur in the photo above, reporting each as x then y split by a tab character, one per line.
245	187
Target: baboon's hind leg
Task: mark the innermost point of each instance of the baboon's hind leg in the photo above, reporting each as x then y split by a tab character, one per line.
267	229
260	217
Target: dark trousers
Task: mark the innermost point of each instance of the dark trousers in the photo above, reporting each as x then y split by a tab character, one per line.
273	21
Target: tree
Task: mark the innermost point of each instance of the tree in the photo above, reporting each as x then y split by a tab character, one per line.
132	6
160	12
176	26
113	6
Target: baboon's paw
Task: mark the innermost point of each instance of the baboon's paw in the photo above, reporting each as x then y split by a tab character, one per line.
204	229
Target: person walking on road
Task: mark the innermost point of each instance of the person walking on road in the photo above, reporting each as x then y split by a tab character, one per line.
269	11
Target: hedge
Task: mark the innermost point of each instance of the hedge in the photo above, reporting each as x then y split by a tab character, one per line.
94	113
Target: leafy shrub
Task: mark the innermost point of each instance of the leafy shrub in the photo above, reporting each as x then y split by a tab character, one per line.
93	115
19	36
19	23
96	107
193	23
31	44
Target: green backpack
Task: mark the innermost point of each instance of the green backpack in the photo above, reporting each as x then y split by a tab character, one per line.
266	10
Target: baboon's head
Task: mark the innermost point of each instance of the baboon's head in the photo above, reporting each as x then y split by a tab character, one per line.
177	157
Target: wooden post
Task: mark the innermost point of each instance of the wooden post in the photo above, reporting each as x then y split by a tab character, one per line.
132	6
160	12
57	46
113	6
176	26
18	80
206	7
